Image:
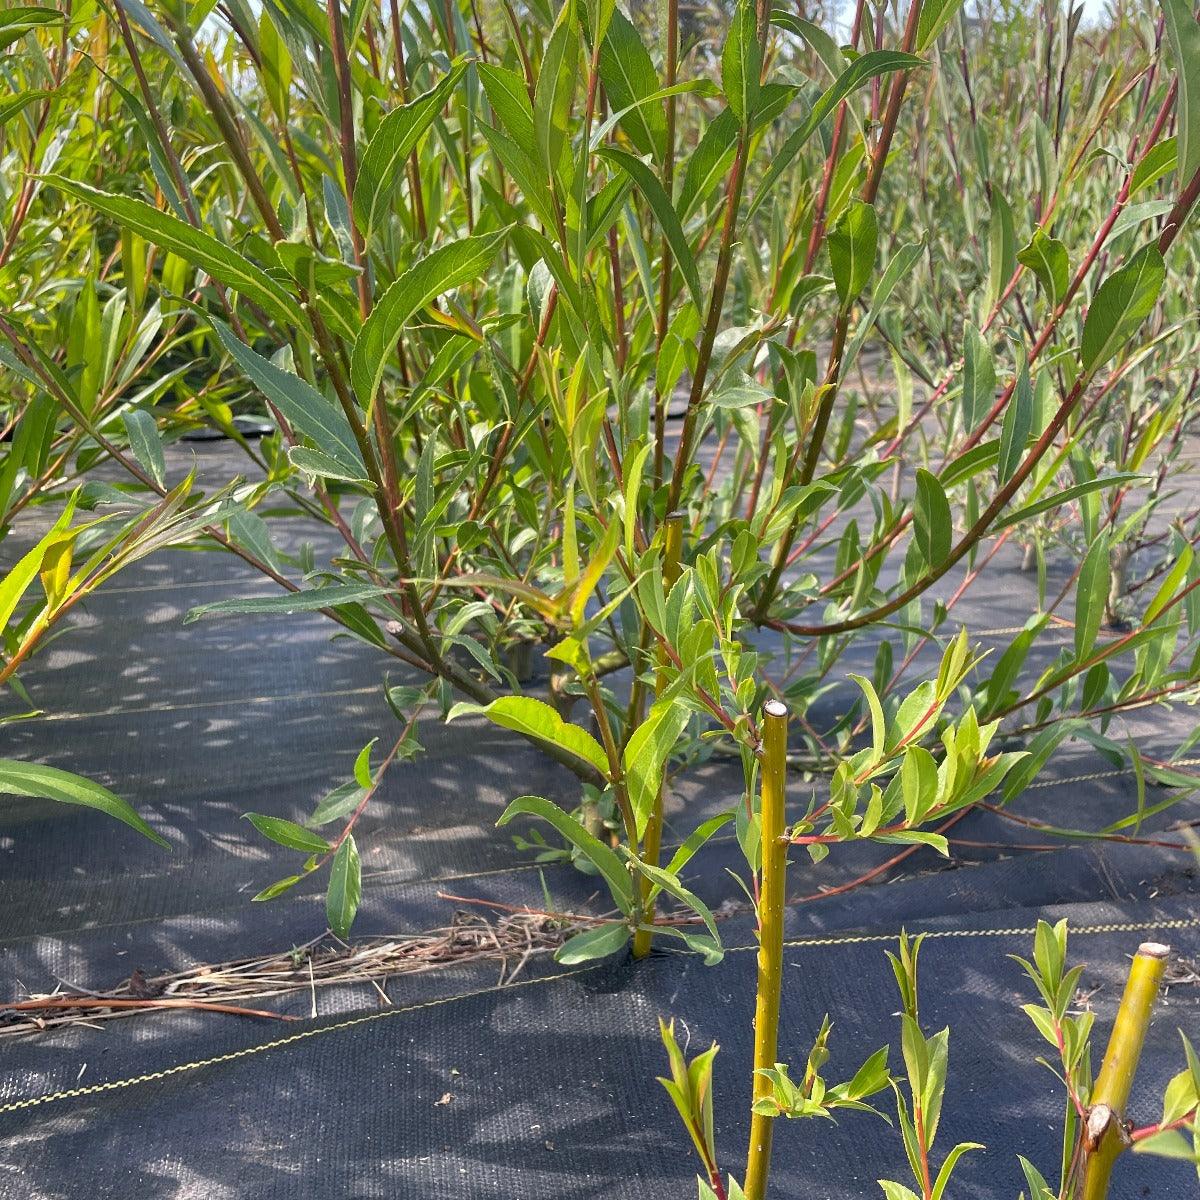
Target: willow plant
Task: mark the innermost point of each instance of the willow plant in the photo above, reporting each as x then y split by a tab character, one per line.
916	300
1096	1131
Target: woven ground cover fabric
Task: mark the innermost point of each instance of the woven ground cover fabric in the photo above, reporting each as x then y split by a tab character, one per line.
547	1089
554	1095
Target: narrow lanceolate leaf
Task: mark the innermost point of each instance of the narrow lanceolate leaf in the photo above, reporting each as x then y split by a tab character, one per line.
25	570
18	20
646	755
197	247
741	63
628	76
1018	422
554	91
979	378
145	443
595	851
382	165
1002	246
534	718
305	409
932	526
309	600
319	465
1122	302
288	833
935	16
448	267
49	783
595	943
1075	492
1183	30
655	195
872	65
345	888
852	246
900	267
1047	258
1090	595
11	106
509	98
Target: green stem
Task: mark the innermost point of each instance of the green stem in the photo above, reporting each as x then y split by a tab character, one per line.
770	938
652	839
1104	1135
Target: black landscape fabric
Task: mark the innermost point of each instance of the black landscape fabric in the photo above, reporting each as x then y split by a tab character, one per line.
546	1089
454	1087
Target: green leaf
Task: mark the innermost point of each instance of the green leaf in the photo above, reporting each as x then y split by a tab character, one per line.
871	65
554	90
49	783
1018	423
18	20
1167	1143
277	888
900	267
1159	160
534	718
935	16
382	165
1090	596
509	98
741	63
448	267
628	76
852	246
304	408
362	766
878	721
145	443
897	1191
11	106
979	378
287	833
943	1176
25	570
1183	31
932	524
664	211
340	802
1047	258
1122	302
697	838
646	755
318	465
595	851
673	887
308	600
1002	247
1039	1189
595	943
345	888
197	247
1075	492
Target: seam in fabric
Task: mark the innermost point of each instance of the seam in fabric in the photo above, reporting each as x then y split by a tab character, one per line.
852	939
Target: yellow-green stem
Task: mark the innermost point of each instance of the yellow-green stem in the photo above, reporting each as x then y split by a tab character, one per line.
1104	1137
772	894
652	839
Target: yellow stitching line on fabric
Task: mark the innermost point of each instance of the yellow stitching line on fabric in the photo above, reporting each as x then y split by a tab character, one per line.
278	1043
113	1085
1048	783
1077	931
